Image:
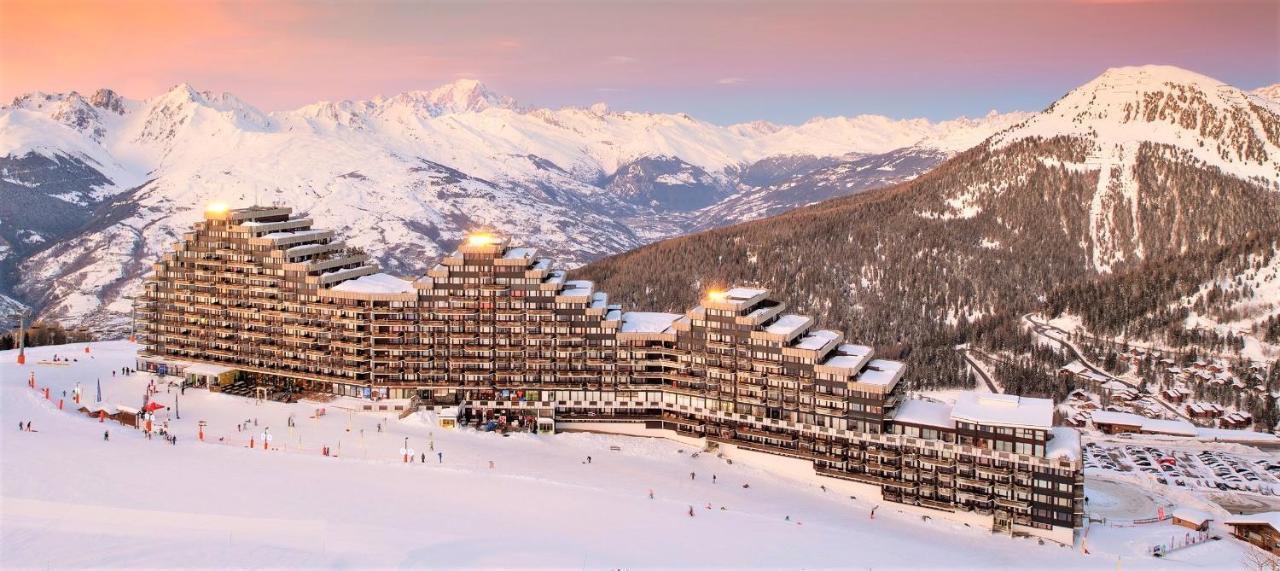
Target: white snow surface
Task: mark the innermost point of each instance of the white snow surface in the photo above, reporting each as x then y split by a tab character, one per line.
1004	410
647	321
376	283
925	413
71	500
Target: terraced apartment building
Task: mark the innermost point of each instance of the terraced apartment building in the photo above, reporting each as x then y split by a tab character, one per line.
496	328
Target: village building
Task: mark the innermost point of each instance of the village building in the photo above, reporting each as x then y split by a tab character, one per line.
1261	530
1191	518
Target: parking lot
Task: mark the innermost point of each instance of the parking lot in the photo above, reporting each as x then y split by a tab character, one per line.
1206	470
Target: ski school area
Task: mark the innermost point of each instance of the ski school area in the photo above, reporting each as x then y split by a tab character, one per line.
243	482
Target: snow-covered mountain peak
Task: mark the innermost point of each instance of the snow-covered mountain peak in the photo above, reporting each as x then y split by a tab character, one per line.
459	96
1269	95
1127	106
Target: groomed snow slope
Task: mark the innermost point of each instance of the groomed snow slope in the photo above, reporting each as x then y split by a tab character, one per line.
69	499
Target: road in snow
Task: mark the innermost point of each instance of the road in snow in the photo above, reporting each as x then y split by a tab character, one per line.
69	499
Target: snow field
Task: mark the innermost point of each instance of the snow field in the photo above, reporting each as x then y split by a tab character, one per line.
69	499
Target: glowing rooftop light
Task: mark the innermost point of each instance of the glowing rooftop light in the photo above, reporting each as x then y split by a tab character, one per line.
717	295
216	208
481	239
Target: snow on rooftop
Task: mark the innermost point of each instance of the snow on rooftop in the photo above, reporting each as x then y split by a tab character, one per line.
741	293
1192	515
1172	427
1264	518
514	253
787	324
293	234
577	287
881	372
853	350
924	413
647	321
375	283
1004	410
1064	444
817	339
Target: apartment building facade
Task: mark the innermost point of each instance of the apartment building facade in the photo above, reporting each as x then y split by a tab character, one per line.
494	327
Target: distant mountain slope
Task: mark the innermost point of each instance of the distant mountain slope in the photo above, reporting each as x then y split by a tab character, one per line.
96	186
991	231
1225	298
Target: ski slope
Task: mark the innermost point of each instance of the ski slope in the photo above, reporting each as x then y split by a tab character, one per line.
70	499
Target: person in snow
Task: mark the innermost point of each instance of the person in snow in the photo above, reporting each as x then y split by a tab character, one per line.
440	456
106	435
379	427
588	459
690	511
424	458
19	426
713	478
873	512
788	518
692	476
824	487
651	493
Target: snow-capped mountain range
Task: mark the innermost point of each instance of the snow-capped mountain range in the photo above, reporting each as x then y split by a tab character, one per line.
96	186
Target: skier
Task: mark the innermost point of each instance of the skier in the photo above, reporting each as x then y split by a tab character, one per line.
873	512
106	435
651	493
713	478
692	476
440	456
29	426
379	427
19	426
690	511
424	458
588	459
788	518
745	486
824	487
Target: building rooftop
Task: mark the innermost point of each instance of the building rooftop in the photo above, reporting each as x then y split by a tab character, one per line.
514	253
577	288
817	339
787	324
375	283
925	413
744	293
1264	518
647	321
1004	410
881	372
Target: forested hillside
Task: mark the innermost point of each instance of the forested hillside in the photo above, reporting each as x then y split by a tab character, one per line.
952	256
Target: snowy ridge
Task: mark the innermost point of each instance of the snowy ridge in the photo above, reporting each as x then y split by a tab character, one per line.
404	176
1166	105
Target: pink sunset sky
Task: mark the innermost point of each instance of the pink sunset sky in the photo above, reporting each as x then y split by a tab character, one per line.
721	61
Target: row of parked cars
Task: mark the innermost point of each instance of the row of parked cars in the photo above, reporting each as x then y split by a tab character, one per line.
1206	469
